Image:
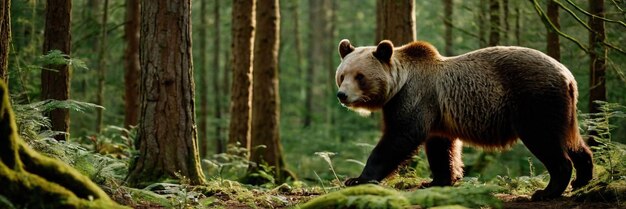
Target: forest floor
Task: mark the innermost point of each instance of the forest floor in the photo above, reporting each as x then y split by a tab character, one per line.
293	199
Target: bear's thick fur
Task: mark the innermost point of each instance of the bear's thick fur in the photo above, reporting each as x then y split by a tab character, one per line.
488	98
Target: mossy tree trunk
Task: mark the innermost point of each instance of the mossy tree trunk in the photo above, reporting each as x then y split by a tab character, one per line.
31	180
167	138
55	83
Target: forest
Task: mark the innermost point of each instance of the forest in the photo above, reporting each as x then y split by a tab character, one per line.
234	104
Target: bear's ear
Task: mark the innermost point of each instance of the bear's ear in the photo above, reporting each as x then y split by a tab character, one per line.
345	47
384	50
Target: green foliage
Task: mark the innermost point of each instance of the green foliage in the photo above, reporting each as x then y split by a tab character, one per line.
56	57
609	182
521	185
231	164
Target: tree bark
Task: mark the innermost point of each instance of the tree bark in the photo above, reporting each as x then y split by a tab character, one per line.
597	55
5	39
167	138
131	64
102	66
266	147
203	89
243	26
217	96
553	46
31	180
55	80
494	22
397	19
447	18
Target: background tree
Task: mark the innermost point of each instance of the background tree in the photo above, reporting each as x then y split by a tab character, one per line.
217	87
55	79
494	22
553	47
166	140
597	55
5	39
102	66
265	137
395	21
131	64
447	20
241	94
203	89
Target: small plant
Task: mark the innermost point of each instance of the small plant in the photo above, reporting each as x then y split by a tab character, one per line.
326	156
229	165
609	183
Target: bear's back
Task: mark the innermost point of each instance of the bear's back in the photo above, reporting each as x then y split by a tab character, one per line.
480	92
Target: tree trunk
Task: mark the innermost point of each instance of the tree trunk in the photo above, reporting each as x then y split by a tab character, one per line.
397	19
131	64
315	57
203	89
597	55
31	180
518	16
5	39
447	18
553	46
220	148
266	147
167	143
241	94
505	20
331	64
55	80
494	22
102	67
481	19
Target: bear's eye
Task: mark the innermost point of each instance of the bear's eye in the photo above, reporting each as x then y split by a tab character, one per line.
341	79
358	77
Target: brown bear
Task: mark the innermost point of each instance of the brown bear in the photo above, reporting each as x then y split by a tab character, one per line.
488	98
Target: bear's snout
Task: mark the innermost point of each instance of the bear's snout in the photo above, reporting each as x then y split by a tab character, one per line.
342	96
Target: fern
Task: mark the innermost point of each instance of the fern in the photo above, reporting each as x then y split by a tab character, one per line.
56	57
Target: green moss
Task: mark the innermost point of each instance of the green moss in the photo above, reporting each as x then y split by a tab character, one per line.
363	196
374	196
32	180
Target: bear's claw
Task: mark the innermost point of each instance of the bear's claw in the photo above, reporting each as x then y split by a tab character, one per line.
358	180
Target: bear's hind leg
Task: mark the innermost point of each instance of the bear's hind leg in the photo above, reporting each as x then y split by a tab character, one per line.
582	159
549	151
444	158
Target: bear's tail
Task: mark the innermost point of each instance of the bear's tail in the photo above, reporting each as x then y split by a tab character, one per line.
573	138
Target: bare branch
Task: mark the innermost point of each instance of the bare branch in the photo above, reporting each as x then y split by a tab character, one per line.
551	26
595	16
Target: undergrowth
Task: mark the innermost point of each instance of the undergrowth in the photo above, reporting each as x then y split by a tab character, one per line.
104	158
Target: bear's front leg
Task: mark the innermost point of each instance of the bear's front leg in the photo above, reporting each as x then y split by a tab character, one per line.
393	149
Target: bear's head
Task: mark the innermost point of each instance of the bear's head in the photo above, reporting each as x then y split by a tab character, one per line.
364	77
